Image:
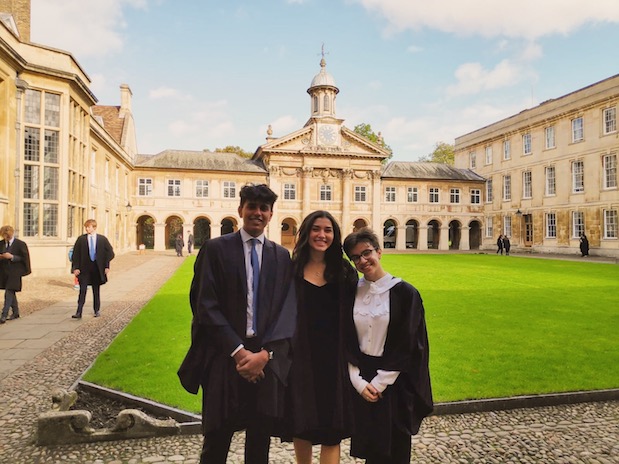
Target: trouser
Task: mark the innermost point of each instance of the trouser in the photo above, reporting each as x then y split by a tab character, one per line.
400	450
90	278
10	301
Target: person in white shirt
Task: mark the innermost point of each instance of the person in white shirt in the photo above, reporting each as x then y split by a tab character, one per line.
388	353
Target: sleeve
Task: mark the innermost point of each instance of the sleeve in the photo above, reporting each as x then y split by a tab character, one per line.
384	378
357	381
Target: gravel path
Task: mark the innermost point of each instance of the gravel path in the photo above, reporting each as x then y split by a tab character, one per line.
570	434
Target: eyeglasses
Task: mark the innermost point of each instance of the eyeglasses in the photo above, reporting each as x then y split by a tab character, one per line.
365	254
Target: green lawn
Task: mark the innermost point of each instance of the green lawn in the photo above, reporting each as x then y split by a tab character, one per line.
498	326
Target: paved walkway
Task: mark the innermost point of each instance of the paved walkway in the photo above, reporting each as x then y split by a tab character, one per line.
46	349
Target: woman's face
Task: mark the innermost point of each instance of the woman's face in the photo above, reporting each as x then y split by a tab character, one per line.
321	235
366	259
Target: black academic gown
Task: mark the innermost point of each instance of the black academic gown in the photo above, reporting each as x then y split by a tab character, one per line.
81	258
11	272
218	300
407	402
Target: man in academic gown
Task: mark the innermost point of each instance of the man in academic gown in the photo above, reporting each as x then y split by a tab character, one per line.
244	310
90	263
14	264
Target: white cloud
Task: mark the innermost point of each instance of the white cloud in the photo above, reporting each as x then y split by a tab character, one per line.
281	126
414	49
213	121
494	18
167	92
473	78
92	30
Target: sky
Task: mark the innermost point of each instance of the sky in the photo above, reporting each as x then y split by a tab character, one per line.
207	74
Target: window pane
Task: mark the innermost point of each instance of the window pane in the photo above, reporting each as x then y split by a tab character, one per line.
50	183
31	144
33	106
50	220
51	146
31	182
31	219
52	110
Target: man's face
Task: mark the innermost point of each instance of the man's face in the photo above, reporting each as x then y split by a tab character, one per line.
7	235
90	228
255	217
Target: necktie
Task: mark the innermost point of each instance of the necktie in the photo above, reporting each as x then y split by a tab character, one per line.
92	247
255	266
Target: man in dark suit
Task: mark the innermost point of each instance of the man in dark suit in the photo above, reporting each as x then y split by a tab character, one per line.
14	264
92	254
244	313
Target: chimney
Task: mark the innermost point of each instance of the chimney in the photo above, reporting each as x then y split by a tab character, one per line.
20	10
125	99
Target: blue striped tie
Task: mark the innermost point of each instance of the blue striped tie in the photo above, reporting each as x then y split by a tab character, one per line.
255	265
92	247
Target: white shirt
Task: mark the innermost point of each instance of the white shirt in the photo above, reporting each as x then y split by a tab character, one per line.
371	316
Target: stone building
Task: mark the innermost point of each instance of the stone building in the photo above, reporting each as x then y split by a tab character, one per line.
551	172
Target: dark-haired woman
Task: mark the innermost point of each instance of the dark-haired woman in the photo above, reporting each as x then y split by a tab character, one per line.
387	349
320	397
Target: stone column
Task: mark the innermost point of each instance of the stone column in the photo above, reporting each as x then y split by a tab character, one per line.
400	238
306	174
346	193
159	236
215	229
443	243
465	238
422	240
376	196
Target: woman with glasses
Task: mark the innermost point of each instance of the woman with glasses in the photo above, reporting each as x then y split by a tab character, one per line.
387	351
320	398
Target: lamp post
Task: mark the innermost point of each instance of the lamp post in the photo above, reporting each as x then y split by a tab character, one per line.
519	214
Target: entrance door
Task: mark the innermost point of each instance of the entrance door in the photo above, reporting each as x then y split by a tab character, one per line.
528	230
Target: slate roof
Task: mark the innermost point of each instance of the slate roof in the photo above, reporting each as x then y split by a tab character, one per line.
422	170
200	160
112	123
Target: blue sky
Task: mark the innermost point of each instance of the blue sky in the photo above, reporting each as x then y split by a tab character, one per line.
206	74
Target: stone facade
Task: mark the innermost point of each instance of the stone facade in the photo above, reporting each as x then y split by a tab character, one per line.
552	170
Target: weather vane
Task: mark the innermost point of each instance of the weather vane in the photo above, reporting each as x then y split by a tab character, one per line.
322	51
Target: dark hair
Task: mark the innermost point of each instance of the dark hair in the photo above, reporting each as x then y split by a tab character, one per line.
260	193
333	255
364	235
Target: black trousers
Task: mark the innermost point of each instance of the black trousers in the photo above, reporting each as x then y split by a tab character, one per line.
257	430
10	301
400	450
90	277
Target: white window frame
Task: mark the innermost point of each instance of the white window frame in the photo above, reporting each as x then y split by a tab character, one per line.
507	225
489	228
609	120
578	176
489	154
507	187
325	192
489	193
551	180
549	137
360	194
578	129
174	187
472	160
145	187
228	189
202	188
507	149
454	195
412	194
551	225
527	184
434	195
290	191
475	196
390	194
611	226
578	223
526	144
610	171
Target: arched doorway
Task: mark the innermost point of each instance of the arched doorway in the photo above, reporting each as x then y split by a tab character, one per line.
145	232
228	225
289	231
201	231
434	234
173	227
474	235
454	235
390	232
412	233
359	224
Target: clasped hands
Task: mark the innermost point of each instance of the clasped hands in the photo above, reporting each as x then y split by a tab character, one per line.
250	365
6	255
371	394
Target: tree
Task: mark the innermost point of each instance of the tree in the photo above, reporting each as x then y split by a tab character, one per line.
443	153
366	131
234	149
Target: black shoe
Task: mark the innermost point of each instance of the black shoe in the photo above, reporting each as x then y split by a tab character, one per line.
77	316
2	320
97	314
14	316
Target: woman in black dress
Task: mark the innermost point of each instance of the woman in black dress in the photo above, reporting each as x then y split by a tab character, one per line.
320	407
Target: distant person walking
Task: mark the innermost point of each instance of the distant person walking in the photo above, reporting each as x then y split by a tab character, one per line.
499	245
506	244
190	243
14	264
92	254
179	245
584	246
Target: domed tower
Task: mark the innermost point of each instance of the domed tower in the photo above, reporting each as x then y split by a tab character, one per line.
322	92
